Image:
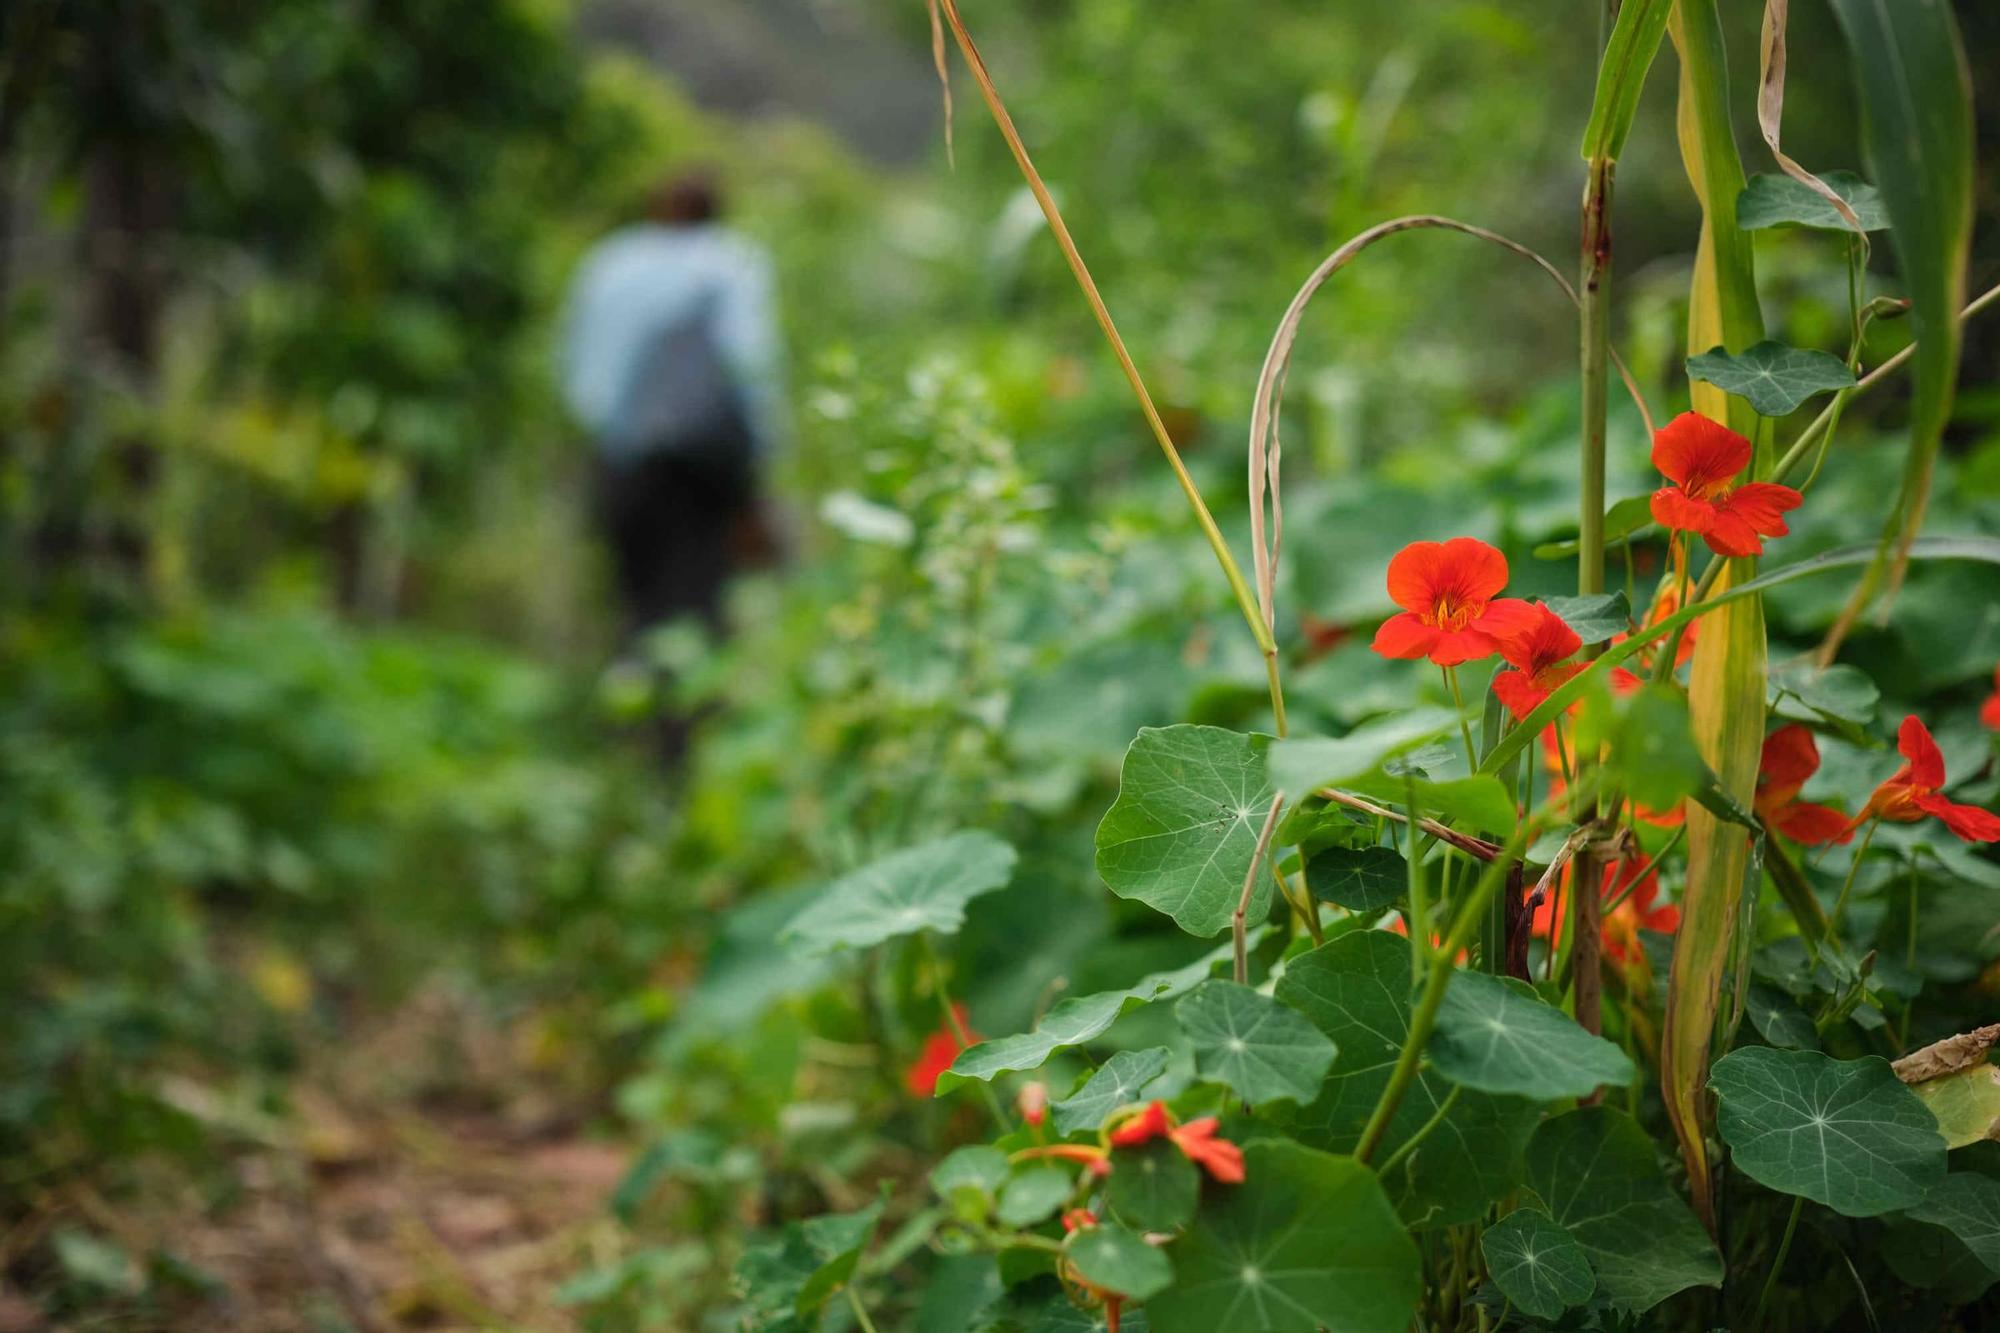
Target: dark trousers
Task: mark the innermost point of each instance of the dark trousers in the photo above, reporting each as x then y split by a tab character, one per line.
672	520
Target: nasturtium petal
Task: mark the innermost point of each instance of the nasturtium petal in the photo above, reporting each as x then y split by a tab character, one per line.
1073	1022
1356	989
919	888
1181	834
1845	1133
1307	1242
1772	200
1597	1172
1262	1050
1152	1186
1361	879
1536	1264
1967	1204
1495	1034
1118	1082
1112	1258
1773	378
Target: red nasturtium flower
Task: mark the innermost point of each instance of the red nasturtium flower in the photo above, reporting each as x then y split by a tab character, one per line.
1640	910
1914	791
1196	1139
1790	758
1989	712
1702	458
1452	610
1076	1218
1539	656
940	1049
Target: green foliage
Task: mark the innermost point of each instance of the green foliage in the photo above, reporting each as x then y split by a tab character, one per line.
1494	1034
1774	379
1262	1050
917	889
1772	200
1536	1263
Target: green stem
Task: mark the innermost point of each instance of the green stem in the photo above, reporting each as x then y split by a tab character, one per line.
1840	903
860	1313
1464	727
1409	1145
957	1025
1778	1262
1419	890
1594	293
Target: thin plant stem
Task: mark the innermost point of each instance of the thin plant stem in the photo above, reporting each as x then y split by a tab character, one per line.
1464	728
1246	600
1409	1145
1301	902
1840	903
1909	959
1477	848
1778	1261
959	1031
860	1311
1239	920
1419	890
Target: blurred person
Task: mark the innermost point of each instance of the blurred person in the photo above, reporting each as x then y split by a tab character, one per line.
670	358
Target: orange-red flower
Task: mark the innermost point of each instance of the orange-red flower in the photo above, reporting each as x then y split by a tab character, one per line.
1702	458
1790	758
940	1049
1989	712
1914	791
1640	910
1196	1139
1075	1218
1539	656
1452	610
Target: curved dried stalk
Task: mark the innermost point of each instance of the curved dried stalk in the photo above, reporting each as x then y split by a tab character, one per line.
1264	409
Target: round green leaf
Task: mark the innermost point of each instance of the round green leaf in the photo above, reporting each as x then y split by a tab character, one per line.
1596	1170
1773	378
1153	1186
1845	1133
1180	836
919	888
970	1177
1118	1082
1780	201
1599	616
1967	1204
1536	1264
1110	1257
1965	1102
1307	1242
1778	1018
1064	1316
1263	1050
1356	989
1035	1194
1495	1034
1361	879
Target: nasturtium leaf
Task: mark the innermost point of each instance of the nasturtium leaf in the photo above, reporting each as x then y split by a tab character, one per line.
1778	1018
1308	1241
1180	836
1967	1204
1152	1186
1064	1316
919	888
1477	804
1536	1264
1073	1022
1112	1258
1356	989
1595	618
1596	1170
970	1177
1117	1082
1838	691
1845	1133
1035	1194
1771	200
1773	378
1361	879
1495	1034
797	1271
1652	755
1300	766
1263	1050
1966	1103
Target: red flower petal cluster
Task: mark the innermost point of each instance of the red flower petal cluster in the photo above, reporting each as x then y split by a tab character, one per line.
1196	1139
1452	610
1702	458
940	1049
1640	910
1539	656
1989	712
1914	791
1790	758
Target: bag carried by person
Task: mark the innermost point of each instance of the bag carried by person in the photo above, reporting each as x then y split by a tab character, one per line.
682	398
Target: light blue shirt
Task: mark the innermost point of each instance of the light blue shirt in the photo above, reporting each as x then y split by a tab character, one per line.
641	282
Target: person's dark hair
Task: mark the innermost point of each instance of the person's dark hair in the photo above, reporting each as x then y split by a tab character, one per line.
687	200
